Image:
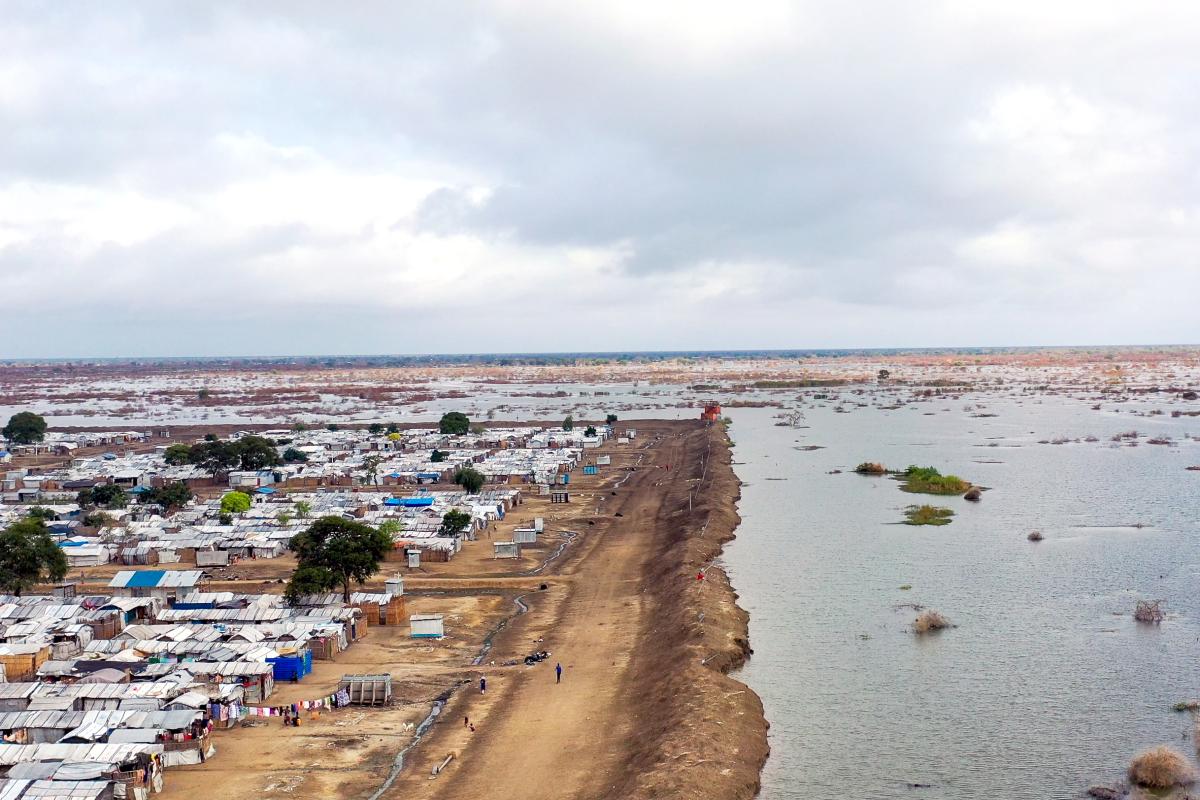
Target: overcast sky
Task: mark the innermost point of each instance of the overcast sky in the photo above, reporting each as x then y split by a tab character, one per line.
287	178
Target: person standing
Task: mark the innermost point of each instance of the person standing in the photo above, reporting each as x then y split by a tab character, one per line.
558	673
482	685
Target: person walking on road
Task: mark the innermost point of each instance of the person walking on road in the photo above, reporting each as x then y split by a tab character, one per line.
558	673
482	685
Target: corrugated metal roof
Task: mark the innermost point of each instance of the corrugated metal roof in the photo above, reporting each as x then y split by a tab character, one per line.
155	578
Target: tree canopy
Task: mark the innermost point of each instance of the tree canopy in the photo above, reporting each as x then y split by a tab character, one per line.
437	456
178	454
375	428
590	430
235	503
172	496
454	423
25	427
293	456
454	522
332	552
569	423
610	419
470	479
255	453
104	495
213	455
29	556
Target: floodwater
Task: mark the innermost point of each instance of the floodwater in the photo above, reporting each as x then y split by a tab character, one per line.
1046	685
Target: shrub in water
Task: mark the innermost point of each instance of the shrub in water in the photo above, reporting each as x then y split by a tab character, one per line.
1161	768
927	480
928	621
927	515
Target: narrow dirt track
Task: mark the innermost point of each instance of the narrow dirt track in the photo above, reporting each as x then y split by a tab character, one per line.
568	740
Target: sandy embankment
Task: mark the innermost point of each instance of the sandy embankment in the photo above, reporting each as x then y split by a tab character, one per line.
701	733
646	708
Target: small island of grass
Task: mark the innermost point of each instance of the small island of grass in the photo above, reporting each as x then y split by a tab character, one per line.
927	515
871	468
927	480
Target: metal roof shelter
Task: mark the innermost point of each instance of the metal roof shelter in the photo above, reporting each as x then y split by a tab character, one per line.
155	578
367	690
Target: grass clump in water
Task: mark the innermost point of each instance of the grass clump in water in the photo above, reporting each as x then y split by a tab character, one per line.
928	621
1149	611
927	480
871	468
1161	768
927	515
1187	705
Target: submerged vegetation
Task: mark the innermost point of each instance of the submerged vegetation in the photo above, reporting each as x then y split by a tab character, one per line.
927	515
929	620
1161	768
871	468
1150	611
927	480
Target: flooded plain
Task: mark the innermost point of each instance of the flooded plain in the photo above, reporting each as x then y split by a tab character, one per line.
1046	685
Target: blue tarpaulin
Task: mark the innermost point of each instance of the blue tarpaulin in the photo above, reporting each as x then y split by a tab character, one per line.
145	578
417	502
292	668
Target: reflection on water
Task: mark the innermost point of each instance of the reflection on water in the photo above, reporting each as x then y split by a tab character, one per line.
1047	685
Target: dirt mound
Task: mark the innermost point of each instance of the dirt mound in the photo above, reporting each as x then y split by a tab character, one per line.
702	733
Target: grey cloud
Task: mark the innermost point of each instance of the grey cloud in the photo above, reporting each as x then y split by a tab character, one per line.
840	153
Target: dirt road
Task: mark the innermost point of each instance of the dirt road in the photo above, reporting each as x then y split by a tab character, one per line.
584	737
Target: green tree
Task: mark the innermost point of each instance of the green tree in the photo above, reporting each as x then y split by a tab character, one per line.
333	427
178	454
98	519
303	508
470	479
109	495
393	427
40	514
25	427
255	453
211	437
29	556
235	503
333	552
225	519
371	467
454	522
454	423
171	497
590	430
215	457
299	427
294	456
283	518
375	428
437	456
610	419
392	527
569	423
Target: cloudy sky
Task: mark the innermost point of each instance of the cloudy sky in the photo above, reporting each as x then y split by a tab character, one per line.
276	178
